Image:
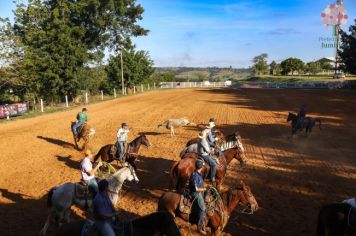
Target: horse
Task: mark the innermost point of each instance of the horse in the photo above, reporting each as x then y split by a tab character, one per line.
131	154
62	197
84	132
182	169
223	144
338	219
175	123
157	223
309	123
218	215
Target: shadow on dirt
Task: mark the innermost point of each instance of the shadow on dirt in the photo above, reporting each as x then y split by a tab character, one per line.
57	142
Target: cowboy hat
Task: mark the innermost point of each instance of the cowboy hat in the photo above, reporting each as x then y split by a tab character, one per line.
211	125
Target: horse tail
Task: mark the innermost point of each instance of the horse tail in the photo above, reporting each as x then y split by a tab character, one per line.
184	151
318	120
49	197
49	204
173	175
320	228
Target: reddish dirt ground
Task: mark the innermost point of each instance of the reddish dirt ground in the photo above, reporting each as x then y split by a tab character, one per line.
290	177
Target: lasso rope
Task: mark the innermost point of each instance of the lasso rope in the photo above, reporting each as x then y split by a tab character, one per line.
214	200
110	170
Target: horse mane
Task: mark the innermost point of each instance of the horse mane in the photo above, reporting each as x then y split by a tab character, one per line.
228	145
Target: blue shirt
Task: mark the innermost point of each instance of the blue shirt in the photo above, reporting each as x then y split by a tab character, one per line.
302	113
102	206
195	181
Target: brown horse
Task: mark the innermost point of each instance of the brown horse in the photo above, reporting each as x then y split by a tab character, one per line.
132	151
217	215
157	223
84	133
182	170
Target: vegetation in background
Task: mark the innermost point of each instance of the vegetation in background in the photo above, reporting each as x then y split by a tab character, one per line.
348	50
260	66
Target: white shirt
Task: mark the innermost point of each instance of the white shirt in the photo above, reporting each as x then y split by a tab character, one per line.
85	167
122	135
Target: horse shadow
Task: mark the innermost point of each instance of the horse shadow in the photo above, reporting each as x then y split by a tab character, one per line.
57	142
23	215
149	133
68	161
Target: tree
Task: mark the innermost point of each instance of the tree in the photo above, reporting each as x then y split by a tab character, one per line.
260	65
275	68
325	64
58	38
137	68
313	67
292	65
348	49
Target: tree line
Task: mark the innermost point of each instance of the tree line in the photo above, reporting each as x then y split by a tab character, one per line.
346	60
55	48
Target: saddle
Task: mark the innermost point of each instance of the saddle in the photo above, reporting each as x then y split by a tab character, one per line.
351	219
83	191
79	129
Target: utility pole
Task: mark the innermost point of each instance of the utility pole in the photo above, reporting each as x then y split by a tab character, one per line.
122	73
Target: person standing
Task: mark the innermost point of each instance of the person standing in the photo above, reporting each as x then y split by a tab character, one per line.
88	172
122	141
196	190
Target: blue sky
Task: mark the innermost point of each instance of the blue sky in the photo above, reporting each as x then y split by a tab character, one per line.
230	33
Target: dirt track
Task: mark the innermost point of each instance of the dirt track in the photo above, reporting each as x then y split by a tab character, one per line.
291	178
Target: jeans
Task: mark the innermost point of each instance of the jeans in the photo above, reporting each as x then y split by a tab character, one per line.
75	127
212	164
198	196
120	150
106	227
92	183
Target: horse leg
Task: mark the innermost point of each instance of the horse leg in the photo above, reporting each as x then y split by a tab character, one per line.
66	215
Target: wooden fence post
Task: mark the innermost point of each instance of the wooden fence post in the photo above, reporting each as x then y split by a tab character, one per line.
41	105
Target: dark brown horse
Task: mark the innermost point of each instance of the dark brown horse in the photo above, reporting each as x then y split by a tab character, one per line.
84	133
132	151
338	219
182	170
217	215
157	223
309	123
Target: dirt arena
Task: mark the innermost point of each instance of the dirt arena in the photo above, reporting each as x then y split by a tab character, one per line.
290	178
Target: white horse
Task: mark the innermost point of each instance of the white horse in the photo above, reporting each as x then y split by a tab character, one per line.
62	197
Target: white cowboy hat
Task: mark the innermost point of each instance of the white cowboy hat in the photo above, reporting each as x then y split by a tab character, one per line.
211	125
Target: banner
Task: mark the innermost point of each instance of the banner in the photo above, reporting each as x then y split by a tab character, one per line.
16	109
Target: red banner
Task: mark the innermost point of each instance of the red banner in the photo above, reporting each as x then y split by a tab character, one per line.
16	109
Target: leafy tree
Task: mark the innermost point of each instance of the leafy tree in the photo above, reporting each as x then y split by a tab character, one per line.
275	68
137	67
348	49
325	64
58	38
292	65
260	65
313	67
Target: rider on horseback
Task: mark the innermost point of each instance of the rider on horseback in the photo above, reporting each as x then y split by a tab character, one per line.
122	141
211	138
88	172
82	117
197	189
104	211
204	151
301	116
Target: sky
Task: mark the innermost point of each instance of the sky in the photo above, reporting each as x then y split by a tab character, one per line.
200	33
